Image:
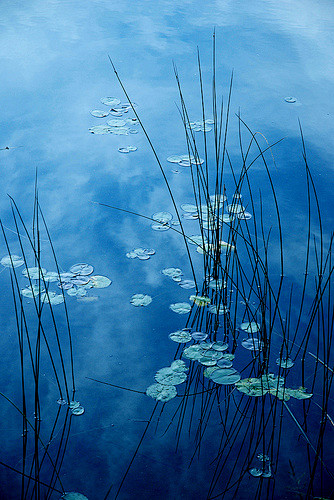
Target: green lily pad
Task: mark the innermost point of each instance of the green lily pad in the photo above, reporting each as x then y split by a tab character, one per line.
168	376
181	336
12	261
161	392
180	307
100	281
140	299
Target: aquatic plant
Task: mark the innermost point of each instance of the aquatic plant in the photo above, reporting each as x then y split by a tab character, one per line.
241	290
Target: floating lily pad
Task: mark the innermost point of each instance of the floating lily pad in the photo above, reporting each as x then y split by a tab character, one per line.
75	291
131	255
162	217
172	272
51	277
284	362
251	327
100	129
214	309
225	376
181	336
235	208
179	366
161	392
180	307
197	336
217	285
219	346
35	273
299	393
73	495
168	376
196	239
224	363
82	269
110	101
209	370
252	344
200	300
100	281
255	472
116	123
140	299
99	114
193	352
290	99
31	291
144	253
52	298
188	207
79	410
244	216
187	284
12	261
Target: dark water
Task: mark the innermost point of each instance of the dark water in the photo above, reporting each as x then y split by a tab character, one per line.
55	70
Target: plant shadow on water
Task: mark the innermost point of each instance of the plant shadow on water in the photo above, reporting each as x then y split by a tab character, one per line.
252	366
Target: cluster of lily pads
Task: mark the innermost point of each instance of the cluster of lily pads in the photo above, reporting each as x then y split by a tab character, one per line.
167	378
200	125
74	406
115	125
185	160
177	275
76	281
269	383
140	253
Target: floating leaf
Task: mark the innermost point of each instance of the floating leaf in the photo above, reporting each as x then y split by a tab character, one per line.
187	207
224	363
199	336
290	99
52	298
168	376
217	285
179	366
79	410
244	216
161	392
180	307
172	272
181	336
100	129
284	362
110	101
200	300
196	239
252	344
100	281
82	269
255	472
140	299
99	114
299	393
35	273
51	277
73	495
235	208
219	346
12	261
225	376
193	352
214	309
31	291
162	217
187	284
76	291
251	327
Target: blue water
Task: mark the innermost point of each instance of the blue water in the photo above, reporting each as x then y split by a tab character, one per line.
55	69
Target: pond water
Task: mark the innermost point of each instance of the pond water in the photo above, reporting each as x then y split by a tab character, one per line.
55	72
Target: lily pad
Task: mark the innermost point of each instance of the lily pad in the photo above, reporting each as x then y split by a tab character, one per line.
161	392
180	307
181	336
99	114
188	207
100	129
284	362
168	376
73	495
100	281
172	272
32	291
250	327
197	336
110	101
225	376
187	284
179	366
82	269
200	300
140	299
12	261
79	410
35	273
252	344
214	309
162	217
52	298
